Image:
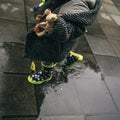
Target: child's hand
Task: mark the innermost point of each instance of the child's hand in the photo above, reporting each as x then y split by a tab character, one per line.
49	26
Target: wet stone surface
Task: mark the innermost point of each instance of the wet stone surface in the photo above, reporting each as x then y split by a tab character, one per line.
110	66
29	10
95	29
32	2
104	17
82	45
89	88
13	1
17	97
111	30
113	84
117	3
104	117
108	2
12	50
12	55
13	10
20	118
92	100
75	94
57	99
11	31
115	43
116	18
100	45
80	117
19	66
111	9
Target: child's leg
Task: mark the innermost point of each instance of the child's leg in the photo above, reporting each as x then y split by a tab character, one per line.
71	59
44	75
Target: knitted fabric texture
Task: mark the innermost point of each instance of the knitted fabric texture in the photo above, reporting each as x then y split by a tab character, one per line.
56	44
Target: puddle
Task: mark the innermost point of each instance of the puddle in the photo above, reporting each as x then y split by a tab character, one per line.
79	70
54	95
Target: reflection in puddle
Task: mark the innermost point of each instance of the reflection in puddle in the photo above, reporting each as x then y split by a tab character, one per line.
83	69
60	93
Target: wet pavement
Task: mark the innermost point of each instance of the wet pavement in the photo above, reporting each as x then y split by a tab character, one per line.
89	91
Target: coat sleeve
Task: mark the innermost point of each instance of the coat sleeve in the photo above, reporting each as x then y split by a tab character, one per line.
84	16
61	29
65	30
71	25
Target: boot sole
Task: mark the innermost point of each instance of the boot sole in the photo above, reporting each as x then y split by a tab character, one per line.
38	82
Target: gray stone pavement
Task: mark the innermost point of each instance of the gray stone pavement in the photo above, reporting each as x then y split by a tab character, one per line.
90	91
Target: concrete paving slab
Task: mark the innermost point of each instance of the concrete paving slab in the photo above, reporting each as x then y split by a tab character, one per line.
60	100
13	10
100	45
115	43
84	71
17	96
104	17
21	2
113	84
104	117
110	66
12	55
116	18
82	45
29	10
95	29
92	92
90	62
111	9
60	97
19	66
108	1
31	2
20	118
31	25
111	30
80	117
29	14
117	3
77	96
119	58
13	50
12	31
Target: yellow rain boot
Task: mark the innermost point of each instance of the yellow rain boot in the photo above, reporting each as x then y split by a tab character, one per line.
71	59
44	75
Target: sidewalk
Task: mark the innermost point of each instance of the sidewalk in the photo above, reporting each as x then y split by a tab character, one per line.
91	90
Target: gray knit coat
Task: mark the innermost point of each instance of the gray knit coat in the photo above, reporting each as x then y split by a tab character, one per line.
56	44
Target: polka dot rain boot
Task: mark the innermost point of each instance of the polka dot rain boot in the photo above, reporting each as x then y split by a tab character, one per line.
44	75
71	59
